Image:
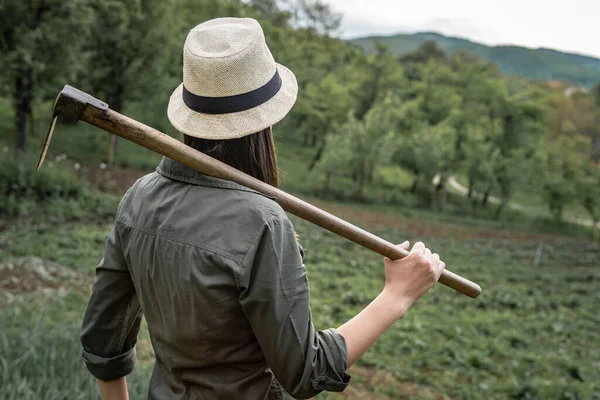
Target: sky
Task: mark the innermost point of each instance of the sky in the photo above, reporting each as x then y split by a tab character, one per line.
572	26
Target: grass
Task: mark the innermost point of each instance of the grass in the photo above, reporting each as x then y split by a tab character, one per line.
529	336
535	204
40	356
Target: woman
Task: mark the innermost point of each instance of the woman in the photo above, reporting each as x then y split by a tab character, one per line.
215	266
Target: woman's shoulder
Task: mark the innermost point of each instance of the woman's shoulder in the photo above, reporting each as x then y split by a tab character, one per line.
264	208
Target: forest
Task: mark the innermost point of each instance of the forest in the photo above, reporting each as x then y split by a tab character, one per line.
497	173
366	120
537	64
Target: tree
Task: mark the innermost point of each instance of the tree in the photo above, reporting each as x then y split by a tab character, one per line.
425	152
427	51
596	93
360	146
480	156
40	44
323	107
315	15
427	125
588	192
586	119
413	61
129	43
521	109
378	75
562	179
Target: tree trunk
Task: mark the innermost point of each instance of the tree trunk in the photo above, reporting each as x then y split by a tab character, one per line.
499	211
317	156
117	105
326	182
371	175
557	212
415	184
486	196
440	186
471	185
500	208
23	98
442	197
361	186
306	139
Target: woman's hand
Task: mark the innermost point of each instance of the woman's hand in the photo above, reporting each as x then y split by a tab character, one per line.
408	279
405	281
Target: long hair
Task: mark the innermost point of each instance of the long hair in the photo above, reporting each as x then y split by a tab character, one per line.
253	154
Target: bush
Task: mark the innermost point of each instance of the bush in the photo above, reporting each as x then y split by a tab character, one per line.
21	184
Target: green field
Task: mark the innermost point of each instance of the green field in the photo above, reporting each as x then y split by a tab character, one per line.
368	135
532	334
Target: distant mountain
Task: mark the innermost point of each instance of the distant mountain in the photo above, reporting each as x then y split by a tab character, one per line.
538	64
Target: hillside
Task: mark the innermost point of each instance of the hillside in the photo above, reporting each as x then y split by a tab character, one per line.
538	64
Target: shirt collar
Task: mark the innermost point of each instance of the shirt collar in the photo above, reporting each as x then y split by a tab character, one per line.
175	170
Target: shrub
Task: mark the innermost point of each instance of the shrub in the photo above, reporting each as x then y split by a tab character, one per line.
21	185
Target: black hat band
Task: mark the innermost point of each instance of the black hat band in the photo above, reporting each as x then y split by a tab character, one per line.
233	104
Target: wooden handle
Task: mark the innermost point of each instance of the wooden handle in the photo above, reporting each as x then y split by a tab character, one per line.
159	142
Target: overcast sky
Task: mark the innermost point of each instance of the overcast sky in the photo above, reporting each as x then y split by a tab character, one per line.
572	25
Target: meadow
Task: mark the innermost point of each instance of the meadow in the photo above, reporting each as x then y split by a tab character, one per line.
532	334
368	135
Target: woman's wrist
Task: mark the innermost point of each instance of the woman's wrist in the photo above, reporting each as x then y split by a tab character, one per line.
395	305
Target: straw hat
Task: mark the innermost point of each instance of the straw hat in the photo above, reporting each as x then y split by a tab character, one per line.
232	86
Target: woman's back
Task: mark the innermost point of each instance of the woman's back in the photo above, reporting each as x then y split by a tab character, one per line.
218	273
185	237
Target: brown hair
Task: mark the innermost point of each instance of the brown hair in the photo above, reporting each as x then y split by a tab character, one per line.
253	154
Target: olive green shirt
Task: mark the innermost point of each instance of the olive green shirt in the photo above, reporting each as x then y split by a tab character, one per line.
217	272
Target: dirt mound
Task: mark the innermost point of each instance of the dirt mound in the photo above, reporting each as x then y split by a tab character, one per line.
32	274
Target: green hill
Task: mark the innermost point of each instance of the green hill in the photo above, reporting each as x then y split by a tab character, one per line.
538	64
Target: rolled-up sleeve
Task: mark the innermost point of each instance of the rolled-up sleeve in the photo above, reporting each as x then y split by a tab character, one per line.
275	299
112	318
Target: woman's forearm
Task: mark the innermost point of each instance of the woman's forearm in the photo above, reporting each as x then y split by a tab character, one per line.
113	390
366	327
406	280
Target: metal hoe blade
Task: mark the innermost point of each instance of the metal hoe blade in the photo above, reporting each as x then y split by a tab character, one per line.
47	142
70	102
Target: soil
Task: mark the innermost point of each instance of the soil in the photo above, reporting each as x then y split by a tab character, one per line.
32	274
425	228
112	179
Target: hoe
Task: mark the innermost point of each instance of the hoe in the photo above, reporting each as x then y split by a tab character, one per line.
78	105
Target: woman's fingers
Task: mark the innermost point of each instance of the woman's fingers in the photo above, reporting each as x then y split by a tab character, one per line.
428	256
405	245
442	267
418	248
435	261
